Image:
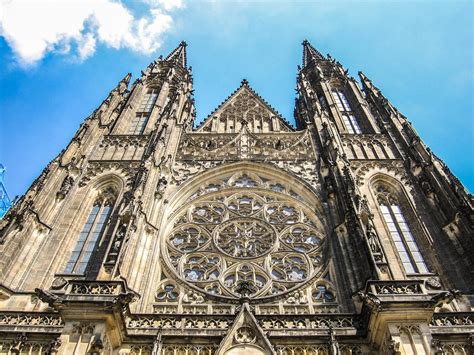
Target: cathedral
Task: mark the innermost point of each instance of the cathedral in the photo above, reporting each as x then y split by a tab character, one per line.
150	234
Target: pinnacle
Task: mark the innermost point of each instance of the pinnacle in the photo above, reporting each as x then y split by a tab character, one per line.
127	78
244	82
310	53
178	55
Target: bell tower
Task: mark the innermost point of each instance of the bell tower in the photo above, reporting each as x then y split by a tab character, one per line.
390	196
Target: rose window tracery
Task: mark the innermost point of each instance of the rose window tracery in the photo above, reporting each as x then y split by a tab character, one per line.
245	238
247	234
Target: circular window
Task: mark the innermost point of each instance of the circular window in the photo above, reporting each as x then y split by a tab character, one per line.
245	237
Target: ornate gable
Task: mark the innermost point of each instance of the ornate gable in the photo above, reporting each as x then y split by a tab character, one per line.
245	336
245	106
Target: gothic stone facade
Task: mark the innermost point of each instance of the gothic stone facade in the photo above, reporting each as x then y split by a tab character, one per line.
244	235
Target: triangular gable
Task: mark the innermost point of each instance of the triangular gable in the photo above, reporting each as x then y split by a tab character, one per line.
244	105
245	336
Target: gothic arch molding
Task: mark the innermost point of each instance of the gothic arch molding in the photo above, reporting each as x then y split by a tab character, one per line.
385	191
366	172
266	170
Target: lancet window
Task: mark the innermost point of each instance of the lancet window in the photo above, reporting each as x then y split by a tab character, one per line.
350	121
400	232
90	235
246	234
148	101
138	124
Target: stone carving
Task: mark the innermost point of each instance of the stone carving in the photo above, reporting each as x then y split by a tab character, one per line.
117	241
245	335
58	283
161	187
193	297
167	292
374	244
146	322
66	186
125	169
182	171
133	140
92	288
301	349
244	105
297	297
399	289
96	346
245	145
82	328
31	319
308	322
393	167
305	170
53	346
245	238
368	146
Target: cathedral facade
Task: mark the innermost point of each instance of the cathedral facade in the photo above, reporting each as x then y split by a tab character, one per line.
147	234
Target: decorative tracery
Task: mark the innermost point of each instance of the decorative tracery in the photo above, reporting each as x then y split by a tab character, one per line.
245	234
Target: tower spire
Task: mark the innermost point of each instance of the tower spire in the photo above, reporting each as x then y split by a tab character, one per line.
178	55
310	53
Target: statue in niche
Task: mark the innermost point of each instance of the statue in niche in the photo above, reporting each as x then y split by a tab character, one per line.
66	186
161	187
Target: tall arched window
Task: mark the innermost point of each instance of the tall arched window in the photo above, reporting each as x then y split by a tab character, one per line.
148	100
138	124
345	109
400	232
90	235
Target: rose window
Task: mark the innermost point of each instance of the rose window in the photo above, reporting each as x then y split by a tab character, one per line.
245	236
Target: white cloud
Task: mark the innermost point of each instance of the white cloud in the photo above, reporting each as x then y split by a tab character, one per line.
167	4
36	27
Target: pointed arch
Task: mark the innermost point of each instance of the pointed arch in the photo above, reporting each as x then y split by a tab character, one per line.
96	206
277	179
398	220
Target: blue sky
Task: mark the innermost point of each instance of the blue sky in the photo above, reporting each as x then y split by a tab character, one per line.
419	53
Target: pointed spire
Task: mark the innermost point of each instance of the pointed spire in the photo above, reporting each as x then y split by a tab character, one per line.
126	78
310	53
178	55
123	84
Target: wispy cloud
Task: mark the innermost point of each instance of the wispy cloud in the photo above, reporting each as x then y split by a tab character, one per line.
35	28
167	4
